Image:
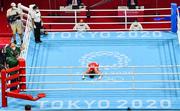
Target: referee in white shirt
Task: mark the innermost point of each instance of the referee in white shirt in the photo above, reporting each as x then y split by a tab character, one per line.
37	23
136	26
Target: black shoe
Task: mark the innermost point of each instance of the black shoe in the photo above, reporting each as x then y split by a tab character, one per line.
15	42
21	41
38	41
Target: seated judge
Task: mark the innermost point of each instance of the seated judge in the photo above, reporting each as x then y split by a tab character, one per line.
136	26
132	4
81	26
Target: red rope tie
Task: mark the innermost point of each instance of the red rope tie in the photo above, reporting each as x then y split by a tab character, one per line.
14	76
13	69
13	85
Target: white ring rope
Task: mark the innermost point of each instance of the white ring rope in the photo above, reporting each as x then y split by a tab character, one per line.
130	16
104	10
56	10
99	89
104	74
106	16
111	81
79	67
147	29
117	23
151	9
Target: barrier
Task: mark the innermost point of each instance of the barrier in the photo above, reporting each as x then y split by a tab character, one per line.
6	79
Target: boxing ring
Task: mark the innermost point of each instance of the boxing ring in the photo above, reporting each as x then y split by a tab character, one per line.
140	70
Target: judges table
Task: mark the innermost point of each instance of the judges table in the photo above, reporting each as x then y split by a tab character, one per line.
131	12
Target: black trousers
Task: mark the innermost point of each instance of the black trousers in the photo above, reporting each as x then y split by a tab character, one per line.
37	31
70	2
132	6
1	67
79	2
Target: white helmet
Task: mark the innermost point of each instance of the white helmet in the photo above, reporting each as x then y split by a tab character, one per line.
13	4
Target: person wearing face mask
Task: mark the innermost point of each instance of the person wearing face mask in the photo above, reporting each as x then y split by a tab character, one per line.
136	26
14	19
81	26
37	23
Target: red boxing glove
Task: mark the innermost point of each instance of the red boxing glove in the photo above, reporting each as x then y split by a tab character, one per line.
93	65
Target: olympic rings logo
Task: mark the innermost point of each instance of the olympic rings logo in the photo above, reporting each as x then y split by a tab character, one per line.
118	58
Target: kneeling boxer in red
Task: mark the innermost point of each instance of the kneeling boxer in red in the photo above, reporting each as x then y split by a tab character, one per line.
93	68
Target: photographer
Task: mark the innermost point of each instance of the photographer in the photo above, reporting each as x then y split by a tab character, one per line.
14	19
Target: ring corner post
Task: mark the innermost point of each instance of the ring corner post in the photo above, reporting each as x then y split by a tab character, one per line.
22	72
3	88
174	17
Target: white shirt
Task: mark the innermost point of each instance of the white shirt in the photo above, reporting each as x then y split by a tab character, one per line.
132	2
178	24
136	26
81	27
36	15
